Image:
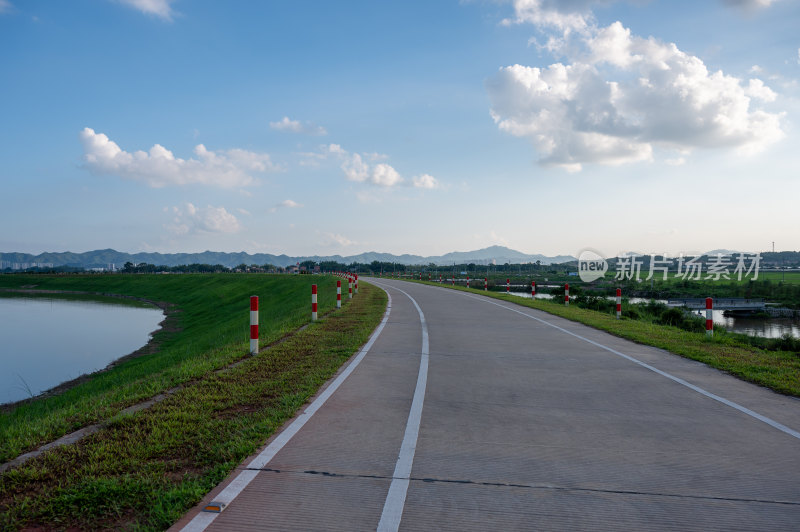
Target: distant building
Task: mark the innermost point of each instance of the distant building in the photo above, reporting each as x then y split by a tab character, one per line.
7	265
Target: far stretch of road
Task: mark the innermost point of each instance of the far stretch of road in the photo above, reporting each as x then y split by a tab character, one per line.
469	413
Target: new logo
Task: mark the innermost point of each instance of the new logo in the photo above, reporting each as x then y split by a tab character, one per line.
592	265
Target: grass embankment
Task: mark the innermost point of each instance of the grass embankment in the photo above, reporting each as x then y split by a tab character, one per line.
144	470
208	330
777	370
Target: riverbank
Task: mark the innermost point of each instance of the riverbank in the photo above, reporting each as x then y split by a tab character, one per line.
168	323
778	370
143	470
210	330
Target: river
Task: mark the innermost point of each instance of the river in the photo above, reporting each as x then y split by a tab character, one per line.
44	342
766	327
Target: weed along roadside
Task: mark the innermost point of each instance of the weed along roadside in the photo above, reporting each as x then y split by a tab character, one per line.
778	370
144	469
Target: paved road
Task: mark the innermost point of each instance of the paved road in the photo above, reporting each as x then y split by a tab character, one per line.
469	413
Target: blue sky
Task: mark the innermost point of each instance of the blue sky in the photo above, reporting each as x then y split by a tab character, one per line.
404	127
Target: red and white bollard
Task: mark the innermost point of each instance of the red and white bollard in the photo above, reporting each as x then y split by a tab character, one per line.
709	317
356	286
508	286
440	278
467	281
338	294
619	303
313	302
429	276
566	294
349	288
454	280
533	289
485	284
253	325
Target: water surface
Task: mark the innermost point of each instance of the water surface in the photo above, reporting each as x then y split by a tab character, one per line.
44	342
764	327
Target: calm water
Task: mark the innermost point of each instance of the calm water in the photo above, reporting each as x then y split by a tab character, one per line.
767	328
44	342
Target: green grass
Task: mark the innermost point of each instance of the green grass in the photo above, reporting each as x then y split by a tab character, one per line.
143	471
777	370
775	277
209	329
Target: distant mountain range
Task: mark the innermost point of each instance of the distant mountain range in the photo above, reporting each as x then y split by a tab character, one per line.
106	257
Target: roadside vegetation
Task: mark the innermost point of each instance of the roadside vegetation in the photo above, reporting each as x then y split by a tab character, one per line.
144	470
774	364
207	329
660	314
783	289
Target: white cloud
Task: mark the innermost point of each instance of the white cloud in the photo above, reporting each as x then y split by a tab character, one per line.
286	204
334	149
355	169
294	126
384	175
335	238
158	8
159	167
192	220
425	181
563	15
756	89
363	168
5	6
622	96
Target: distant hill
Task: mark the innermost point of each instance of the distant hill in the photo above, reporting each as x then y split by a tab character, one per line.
104	258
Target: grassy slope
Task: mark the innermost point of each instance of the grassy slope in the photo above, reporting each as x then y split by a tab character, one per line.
778	370
774	277
213	317
145	470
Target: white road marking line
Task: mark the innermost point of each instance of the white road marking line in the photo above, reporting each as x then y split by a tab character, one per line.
740	408
203	519
396	498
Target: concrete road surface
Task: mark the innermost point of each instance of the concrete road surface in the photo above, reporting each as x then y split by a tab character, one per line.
468	413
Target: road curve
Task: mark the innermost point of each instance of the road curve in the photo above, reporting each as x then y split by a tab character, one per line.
468	413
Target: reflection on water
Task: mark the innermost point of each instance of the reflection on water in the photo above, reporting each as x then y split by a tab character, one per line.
528	295
767	328
44	342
